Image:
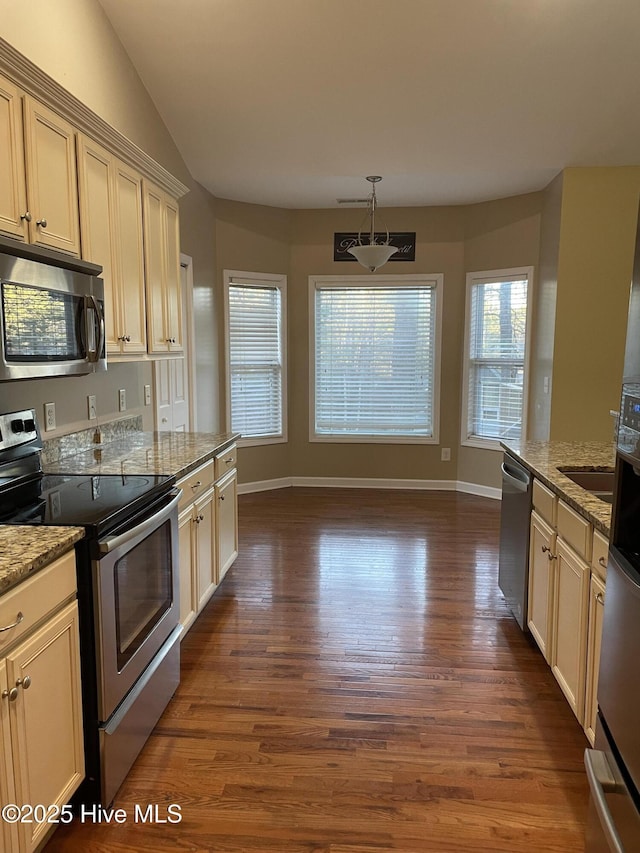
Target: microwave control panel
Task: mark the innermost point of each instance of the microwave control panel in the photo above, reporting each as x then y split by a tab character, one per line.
629	428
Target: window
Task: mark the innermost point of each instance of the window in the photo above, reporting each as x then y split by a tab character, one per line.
256	376
374	346
495	381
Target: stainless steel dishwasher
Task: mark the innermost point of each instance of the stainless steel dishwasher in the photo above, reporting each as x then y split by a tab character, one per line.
513	570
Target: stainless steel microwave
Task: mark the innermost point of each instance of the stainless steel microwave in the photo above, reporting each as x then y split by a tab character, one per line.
51	315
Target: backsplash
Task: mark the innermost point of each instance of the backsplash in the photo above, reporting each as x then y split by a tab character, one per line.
57	448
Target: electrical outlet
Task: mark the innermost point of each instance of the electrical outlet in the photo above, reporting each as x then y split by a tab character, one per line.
147	395
49	416
445	454
92	410
122	398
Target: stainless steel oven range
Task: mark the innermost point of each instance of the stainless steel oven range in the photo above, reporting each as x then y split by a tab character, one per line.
127	568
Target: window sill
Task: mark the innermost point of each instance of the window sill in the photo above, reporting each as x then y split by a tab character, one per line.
483	443
260	442
371	439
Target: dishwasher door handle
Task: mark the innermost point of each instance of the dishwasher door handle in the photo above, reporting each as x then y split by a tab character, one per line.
519	484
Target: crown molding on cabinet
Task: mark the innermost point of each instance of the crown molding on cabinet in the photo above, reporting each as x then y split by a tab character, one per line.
35	82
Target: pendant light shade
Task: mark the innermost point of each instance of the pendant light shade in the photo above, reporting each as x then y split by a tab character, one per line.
372	255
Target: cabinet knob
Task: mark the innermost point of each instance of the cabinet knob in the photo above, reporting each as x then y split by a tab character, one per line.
199	518
600	598
170	340
221	497
602	561
19	619
26	216
11	695
41	222
127	338
25	682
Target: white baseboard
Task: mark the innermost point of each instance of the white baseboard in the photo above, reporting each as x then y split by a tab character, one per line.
370	483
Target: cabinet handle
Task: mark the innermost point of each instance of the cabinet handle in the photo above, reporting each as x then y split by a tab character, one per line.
546	550
125	338
19	619
12	694
26	216
196	485
41	222
25	682
228	461
600	598
602	561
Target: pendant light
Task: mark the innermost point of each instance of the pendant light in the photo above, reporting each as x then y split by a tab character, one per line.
372	255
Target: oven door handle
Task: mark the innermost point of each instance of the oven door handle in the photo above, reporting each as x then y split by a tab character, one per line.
601	781
110	543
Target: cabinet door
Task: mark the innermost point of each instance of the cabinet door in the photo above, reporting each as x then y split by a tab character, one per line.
155	268
173	284
594	637
188	567
95	184
569	647
7	795
205	548
130	257
13	194
52	187
46	718
541	572
226	522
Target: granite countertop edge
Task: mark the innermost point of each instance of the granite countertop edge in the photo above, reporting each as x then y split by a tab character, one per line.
24	549
543	459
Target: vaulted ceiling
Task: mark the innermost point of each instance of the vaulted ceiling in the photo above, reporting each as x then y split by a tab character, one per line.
292	102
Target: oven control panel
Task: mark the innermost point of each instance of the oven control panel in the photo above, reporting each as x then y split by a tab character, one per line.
17	428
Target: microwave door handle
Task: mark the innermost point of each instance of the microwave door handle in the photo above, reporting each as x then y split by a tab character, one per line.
98	326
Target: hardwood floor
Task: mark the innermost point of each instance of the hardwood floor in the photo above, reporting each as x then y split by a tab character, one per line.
357	685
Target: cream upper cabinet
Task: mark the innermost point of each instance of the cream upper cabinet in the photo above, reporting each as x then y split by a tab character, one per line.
111	227
52	187
162	265
13	194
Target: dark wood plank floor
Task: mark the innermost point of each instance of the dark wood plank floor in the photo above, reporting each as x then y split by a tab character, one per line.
357	685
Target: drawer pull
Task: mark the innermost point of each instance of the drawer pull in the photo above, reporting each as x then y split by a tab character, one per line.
196	485
602	561
19	619
228	461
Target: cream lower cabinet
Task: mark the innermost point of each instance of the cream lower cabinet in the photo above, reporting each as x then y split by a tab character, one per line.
226	499
541	582
594	638
41	740
569	627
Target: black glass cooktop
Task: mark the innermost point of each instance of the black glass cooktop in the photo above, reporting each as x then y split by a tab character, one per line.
98	503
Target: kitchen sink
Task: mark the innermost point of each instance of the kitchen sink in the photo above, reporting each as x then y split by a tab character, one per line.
599	483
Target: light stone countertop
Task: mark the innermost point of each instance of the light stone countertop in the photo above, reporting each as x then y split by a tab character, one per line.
26	548
176	453
544	458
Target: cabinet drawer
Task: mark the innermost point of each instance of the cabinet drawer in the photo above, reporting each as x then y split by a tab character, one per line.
226	461
36	597
544	502
575	530
196	483
600	555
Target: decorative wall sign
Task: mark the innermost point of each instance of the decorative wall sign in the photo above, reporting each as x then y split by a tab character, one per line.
404	241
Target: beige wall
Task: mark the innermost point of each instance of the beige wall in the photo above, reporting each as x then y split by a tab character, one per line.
544	313
498	235
252	238
73	42
597	239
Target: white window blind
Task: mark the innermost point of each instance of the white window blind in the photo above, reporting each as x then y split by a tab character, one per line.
375	360
255	360
497	341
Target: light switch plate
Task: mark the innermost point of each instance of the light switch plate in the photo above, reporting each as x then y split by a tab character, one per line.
122	398
92	411
147	395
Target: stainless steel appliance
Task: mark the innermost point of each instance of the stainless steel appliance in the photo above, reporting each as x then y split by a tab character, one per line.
613	767
127	568
515	517
51	314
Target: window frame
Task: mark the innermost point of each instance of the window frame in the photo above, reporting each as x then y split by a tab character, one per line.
254	279
493	277
436	281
